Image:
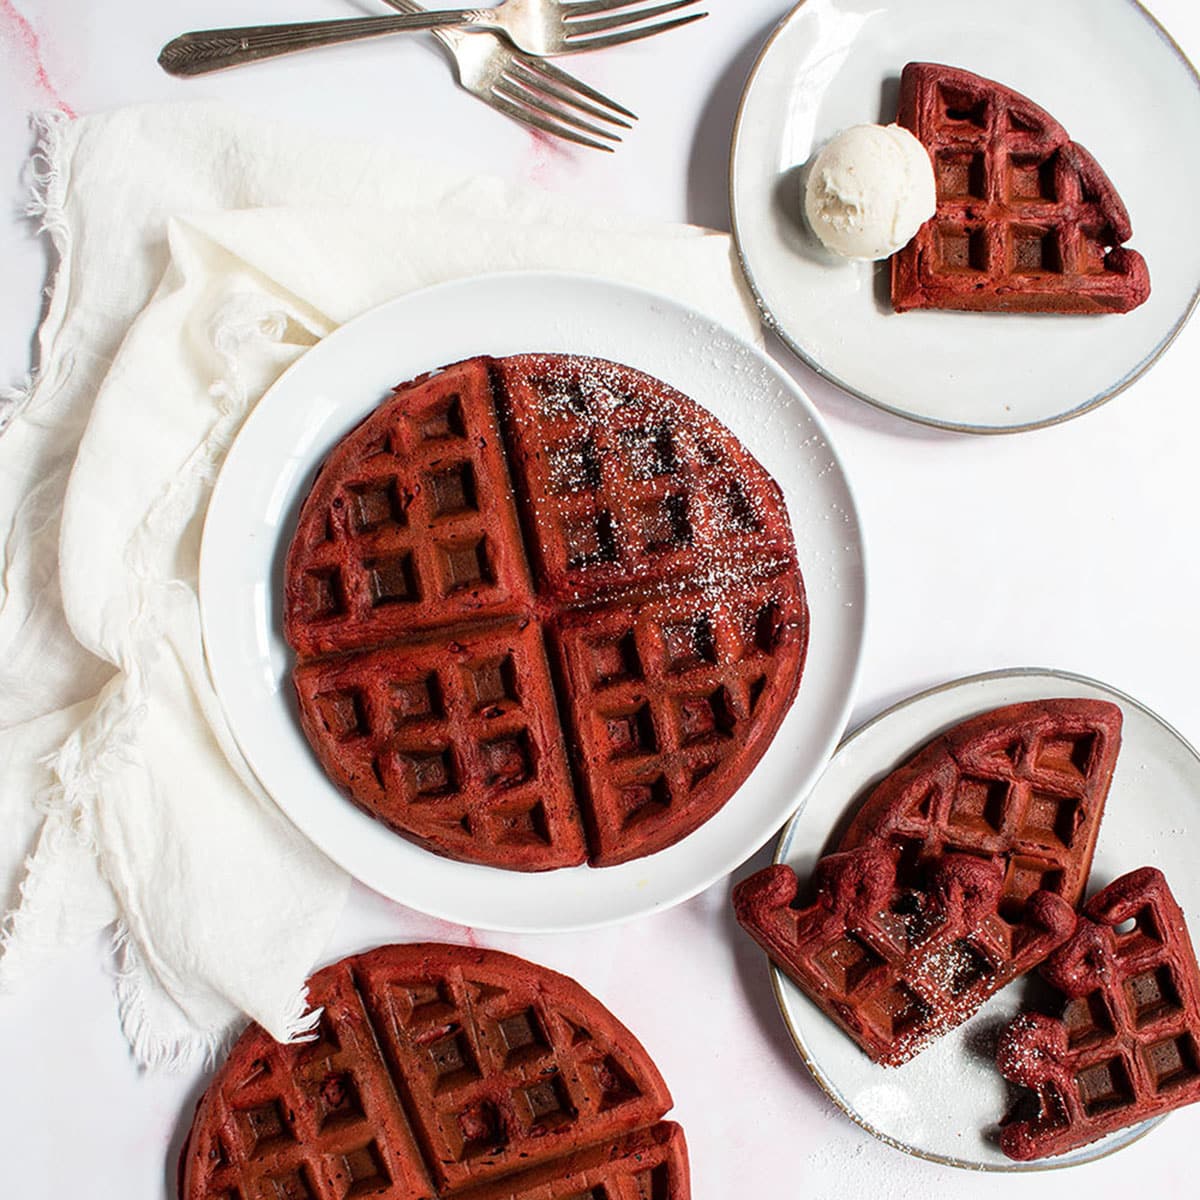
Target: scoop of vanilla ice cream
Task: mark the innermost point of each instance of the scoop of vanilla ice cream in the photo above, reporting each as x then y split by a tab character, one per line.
869	190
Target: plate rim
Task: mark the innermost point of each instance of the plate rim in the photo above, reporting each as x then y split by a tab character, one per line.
799	396
779	979
769	319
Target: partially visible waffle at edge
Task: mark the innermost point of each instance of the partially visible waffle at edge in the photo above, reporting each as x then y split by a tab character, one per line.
439	1072
546	610
1126	1045
960	872
1026	219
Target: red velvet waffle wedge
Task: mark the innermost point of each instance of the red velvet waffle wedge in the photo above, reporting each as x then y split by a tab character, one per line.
960	872
1025	784
1026	219
1126	1046
897	967
439	1072
545	609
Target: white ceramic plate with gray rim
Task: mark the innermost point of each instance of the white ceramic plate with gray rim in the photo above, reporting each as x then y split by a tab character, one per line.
1104	68
945	1103
268	472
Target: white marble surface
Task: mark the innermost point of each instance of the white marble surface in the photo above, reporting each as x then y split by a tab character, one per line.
1072	547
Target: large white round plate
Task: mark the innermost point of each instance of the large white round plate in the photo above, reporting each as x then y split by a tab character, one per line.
1103	68
945	1104
271	466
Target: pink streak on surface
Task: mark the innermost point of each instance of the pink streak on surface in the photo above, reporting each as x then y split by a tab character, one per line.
17	31
456	934
547	153
461	935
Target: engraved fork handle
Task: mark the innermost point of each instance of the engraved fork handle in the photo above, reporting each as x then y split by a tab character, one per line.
448	37
215	49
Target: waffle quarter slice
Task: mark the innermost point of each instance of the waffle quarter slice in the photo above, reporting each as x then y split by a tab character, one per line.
1026	220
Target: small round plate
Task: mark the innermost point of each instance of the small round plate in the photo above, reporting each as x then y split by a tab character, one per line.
1103	68
327	392
945	1104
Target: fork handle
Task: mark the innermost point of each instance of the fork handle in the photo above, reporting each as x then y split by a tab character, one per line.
203	51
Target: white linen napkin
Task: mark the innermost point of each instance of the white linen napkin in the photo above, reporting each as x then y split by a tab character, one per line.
201	252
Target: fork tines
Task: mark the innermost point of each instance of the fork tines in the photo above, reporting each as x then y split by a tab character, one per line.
592	34
540	94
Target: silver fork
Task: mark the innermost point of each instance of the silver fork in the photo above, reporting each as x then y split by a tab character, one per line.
541	27
526	88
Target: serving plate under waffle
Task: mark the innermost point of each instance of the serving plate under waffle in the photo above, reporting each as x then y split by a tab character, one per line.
1103	68
267	475
945	1103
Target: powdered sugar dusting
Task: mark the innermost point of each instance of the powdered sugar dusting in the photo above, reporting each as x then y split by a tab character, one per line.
661	489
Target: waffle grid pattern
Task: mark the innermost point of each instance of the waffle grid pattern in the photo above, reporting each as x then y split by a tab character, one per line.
894	966
307	1122
485	520
1025	784
438	741
960	871
658	694
422	1083
1127	1044
631	496
421	530
1026	219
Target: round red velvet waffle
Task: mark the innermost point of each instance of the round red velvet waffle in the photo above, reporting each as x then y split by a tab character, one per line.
546	609
439	1071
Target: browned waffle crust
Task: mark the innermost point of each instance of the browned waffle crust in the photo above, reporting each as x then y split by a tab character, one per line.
546	609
